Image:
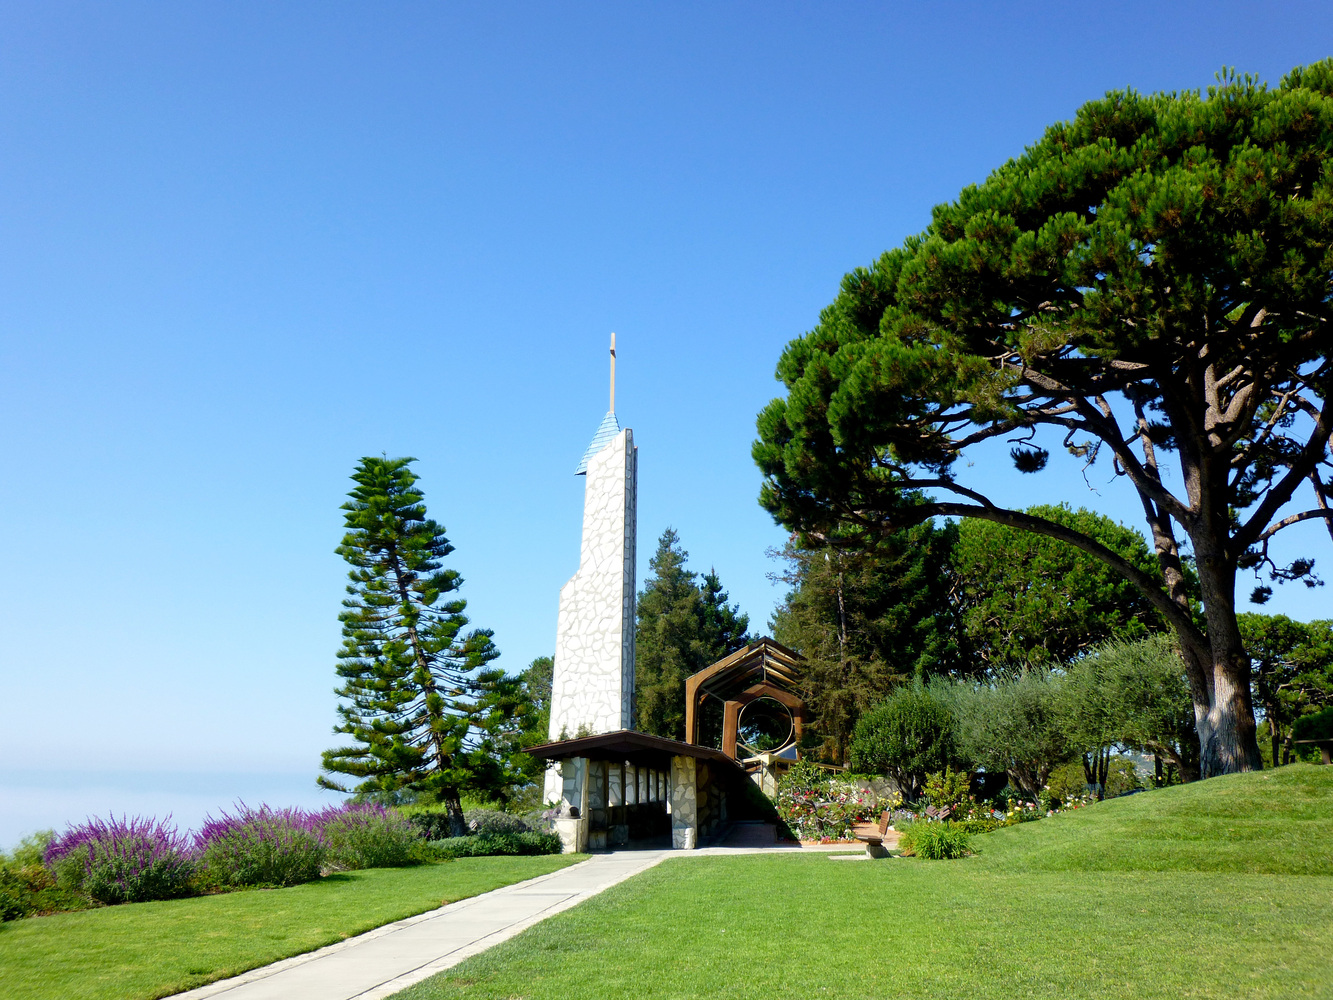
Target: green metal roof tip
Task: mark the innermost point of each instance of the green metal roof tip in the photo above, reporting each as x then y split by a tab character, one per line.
606	432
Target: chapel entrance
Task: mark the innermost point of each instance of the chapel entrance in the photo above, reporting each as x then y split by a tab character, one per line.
744	721
748	705
629	789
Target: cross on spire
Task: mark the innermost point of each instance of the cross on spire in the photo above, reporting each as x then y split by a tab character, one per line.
613	372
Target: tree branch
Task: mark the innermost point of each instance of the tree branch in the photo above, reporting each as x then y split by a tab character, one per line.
1321	498
1305	515
1299	469
1177	616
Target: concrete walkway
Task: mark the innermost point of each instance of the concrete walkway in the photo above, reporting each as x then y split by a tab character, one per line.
381	962
393	957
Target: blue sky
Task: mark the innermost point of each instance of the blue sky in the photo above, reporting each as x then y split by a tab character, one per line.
243	244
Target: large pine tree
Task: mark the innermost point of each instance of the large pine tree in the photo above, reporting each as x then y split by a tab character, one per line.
682	628
424	712
867	622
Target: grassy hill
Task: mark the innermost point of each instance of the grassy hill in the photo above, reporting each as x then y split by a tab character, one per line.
1220	889
1277	822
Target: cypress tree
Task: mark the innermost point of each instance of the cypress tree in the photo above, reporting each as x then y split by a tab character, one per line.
866	623
724	627
668	645
424	713
536	682
681	628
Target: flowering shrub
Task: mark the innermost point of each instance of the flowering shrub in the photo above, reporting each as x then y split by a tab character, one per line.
363	835
948	789
1024	811
123	860
269	847
818	807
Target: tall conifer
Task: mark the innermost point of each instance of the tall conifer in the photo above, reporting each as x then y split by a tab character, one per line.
866	623
423	711
682	628
724	627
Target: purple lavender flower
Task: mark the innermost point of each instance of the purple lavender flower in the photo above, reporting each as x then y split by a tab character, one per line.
366	835
123	860
262	846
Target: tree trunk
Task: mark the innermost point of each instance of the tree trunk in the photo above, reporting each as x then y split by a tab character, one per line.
1232	744
1095	768
1185	768
1228	742
1026	781
453	806
1223	710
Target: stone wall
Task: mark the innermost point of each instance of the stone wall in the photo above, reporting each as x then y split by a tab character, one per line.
683	804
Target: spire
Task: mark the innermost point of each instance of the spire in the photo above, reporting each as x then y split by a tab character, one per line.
609	427
606	433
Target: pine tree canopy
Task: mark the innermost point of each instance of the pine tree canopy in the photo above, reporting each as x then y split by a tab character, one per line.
1147	284
423	711
681	629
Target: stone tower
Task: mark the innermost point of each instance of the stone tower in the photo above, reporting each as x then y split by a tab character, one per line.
592	689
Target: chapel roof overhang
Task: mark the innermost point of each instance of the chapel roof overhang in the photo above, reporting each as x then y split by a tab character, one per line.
639	749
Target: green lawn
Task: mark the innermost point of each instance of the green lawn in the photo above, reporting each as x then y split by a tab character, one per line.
1219	889
148	950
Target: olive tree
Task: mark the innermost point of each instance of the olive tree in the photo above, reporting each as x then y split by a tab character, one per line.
1010	722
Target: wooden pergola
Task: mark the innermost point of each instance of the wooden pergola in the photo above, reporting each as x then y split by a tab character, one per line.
763	669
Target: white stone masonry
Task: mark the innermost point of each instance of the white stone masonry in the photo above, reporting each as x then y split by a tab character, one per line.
592	688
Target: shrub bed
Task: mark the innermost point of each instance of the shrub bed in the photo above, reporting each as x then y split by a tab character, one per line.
817	806
935	841
260	847
361	835
134	860
123	860
433	824
490	844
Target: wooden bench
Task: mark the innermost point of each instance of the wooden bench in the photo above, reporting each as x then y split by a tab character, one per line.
873	834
